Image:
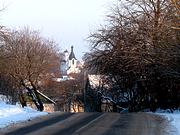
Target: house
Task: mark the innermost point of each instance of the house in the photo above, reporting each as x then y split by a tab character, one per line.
95	92
100	96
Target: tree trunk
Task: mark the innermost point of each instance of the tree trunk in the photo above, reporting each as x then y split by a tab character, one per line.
22	100
40	104
35	96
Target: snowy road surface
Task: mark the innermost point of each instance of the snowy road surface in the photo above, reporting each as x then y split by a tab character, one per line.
92	124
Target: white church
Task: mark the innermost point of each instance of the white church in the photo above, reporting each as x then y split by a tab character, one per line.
69	64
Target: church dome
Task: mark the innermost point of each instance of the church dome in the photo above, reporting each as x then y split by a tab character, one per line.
72	55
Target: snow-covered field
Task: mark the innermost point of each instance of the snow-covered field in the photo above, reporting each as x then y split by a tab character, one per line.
174	120
10	114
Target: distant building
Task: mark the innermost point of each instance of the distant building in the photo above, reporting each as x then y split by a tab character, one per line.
69	64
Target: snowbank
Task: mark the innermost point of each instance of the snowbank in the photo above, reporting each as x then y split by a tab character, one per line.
173	118
10	114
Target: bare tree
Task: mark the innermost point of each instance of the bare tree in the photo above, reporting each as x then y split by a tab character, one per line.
7	89
177	6
28	59
66	93
137	48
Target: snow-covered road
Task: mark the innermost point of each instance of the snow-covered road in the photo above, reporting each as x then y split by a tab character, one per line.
11	114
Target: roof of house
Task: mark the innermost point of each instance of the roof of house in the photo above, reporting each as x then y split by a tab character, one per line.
72	55
97	81
43	98
46	98
66	51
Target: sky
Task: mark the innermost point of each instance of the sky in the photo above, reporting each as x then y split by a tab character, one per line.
67	22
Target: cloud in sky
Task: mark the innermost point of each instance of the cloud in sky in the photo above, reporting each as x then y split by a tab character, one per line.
68	22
